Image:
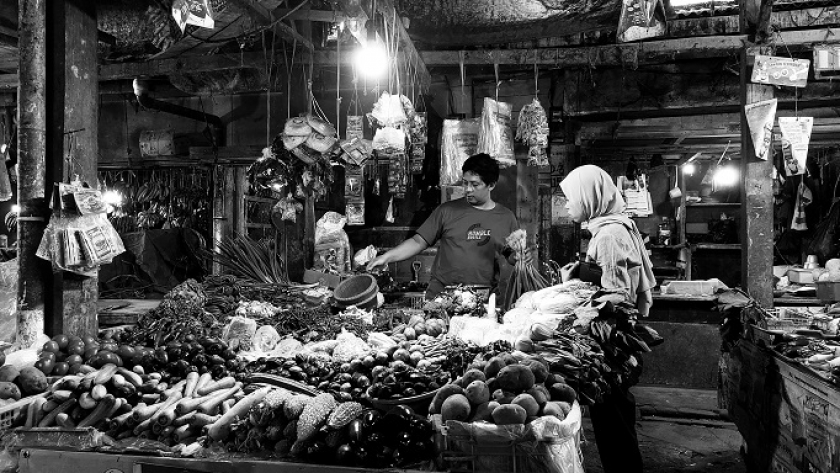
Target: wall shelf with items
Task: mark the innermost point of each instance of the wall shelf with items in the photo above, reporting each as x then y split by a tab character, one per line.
697	221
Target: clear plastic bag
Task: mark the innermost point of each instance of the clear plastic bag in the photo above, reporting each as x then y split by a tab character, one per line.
460	141
265	339
495	135
239	333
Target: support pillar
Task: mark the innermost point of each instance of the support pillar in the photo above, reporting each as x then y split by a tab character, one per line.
34	273
756	174
72	143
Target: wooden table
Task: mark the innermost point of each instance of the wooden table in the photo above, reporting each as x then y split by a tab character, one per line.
123	311
788	415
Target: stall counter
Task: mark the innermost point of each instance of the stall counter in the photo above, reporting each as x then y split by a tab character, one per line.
40	461
788	415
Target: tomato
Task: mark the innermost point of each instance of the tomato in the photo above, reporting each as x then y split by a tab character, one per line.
47	355
60	369
109	346
90	353
74	368
45	365
110	357
51	346
62	341
74	360
126	352
74	339
75	348
87	339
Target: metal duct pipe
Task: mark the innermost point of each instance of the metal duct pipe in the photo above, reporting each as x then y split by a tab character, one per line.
141	91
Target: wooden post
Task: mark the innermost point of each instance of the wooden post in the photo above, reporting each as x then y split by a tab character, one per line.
72	144
32	122
757	175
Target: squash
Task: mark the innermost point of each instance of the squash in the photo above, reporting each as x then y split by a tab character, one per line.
509	414
515	378
9	391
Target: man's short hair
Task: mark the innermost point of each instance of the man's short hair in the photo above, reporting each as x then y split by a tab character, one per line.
484	166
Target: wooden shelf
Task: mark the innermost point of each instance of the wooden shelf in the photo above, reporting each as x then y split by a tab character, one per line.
666	247
717	246
713	204
267	200
259	225
682	298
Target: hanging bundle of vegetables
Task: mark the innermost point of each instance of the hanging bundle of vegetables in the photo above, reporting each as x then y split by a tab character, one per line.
533	131
525	277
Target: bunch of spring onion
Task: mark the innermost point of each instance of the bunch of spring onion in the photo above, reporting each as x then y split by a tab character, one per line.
525	277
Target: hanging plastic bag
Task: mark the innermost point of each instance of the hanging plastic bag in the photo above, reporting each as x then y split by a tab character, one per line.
495	136
824	244
641	19
460	141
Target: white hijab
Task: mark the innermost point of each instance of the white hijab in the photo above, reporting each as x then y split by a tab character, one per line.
601	203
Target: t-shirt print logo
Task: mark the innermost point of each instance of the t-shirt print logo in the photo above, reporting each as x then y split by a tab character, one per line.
477	233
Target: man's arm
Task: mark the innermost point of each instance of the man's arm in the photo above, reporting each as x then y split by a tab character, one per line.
403	251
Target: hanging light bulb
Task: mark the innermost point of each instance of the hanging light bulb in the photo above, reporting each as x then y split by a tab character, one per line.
726	176
112	198
16	208
371	60
689	169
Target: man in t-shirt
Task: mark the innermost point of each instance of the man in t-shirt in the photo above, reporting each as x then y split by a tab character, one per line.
471	232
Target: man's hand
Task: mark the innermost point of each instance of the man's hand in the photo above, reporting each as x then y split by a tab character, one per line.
527	257
379	261
570	271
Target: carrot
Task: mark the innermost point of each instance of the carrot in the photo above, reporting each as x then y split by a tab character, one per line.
184	419
200	420
142	411
203	380
188	405
220	429
142	427
214	402
224	383
227	405
192	381
166	415
170	402
183	432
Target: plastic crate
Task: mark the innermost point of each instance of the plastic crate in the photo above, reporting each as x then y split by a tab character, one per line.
14	414
828	291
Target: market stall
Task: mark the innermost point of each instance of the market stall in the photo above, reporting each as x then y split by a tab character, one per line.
231	369
780	386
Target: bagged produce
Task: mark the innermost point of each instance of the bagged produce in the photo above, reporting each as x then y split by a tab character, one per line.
239	332
561	303
460	141
545	445
495	136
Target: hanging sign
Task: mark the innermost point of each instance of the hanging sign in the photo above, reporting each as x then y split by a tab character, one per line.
641	19
773	70
355	127
796	135
193	12
760	117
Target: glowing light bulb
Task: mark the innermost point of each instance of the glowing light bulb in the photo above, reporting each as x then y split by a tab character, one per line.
726	176
372	60
689	168
112	198
16	208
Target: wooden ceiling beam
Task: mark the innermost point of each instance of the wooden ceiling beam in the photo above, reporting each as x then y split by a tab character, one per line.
624	55
261	12
321	16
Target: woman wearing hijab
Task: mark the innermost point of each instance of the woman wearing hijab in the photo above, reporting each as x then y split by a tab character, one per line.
617	248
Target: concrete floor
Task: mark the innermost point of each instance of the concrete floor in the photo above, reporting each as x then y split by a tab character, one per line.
696	443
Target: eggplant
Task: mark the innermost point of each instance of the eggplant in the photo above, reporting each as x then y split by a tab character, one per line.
199	359
345	454
218	360
362	456
356	429
217	371
229	354
370	417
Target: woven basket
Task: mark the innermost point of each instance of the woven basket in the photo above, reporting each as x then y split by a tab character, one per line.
358	290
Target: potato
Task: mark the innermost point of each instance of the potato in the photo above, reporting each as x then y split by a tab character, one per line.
9	391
